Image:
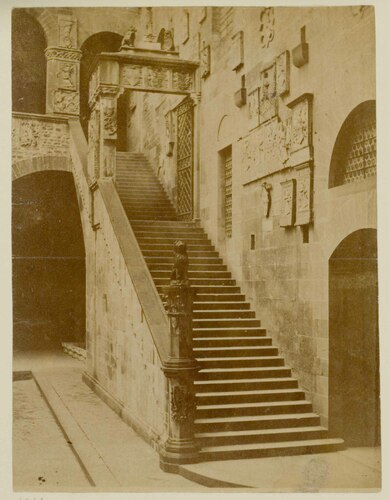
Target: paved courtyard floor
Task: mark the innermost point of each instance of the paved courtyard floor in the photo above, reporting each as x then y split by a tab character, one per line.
66	439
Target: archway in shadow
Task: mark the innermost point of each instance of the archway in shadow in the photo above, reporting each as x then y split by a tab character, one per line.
48	259
354	404
104	41
28	64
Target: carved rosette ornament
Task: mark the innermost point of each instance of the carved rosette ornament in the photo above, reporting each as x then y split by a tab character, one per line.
266	28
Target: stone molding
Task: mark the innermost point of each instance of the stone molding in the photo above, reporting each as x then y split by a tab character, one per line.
63	54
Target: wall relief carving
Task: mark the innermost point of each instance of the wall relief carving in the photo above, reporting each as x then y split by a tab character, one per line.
303	194
253	108
67	75
29	134
67	32
301	137
266	28
268	104
110	120
288	203
156	77
131	75
283	73
66	101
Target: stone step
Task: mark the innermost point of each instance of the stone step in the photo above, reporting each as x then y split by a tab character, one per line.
163	266
244	384
198	281
257	450
164	224
223	314
216	398
207	254
183	232
231	331
225	323
221	297
219	424
207	439
223	342
214	306
199	240
234	351
226	362
253	409
243	373
168	246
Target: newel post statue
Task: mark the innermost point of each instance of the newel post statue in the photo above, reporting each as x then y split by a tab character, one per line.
180	369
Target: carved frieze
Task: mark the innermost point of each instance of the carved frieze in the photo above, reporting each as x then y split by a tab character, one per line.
182	80
288	203
253	108
156	77
268	102
283	73
205	60
237	51
303	194
67	31
67	75
62	53
182	403
65	101
266	28
131	75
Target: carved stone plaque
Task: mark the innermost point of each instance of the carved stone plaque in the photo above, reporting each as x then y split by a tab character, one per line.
268	103
65	101
303	194
131	75
156	77
288	203
301	122
253	108
109	119
283	73
237	51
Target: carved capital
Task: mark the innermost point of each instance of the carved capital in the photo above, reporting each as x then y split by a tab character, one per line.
63	54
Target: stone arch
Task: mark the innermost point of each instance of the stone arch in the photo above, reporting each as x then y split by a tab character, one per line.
224	129
29	42
359	122
354	412
48	260
40	164
48	19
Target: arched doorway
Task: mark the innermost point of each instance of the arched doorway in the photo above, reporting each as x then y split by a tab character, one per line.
354	406
48	262
28	64
104	41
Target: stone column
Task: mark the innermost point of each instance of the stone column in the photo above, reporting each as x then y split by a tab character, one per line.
102	128
180	370
63	70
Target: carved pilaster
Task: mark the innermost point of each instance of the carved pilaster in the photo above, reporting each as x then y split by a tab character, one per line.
63	88
180	368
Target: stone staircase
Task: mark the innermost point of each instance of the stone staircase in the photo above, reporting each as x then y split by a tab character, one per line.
248	404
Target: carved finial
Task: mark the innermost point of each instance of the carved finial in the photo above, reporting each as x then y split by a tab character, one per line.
128	41
180	264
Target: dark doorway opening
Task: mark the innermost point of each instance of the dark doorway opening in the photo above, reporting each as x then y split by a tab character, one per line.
28	64
354	404
48	259
104	41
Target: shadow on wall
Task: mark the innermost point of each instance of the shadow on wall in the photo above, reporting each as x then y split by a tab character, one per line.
48	259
